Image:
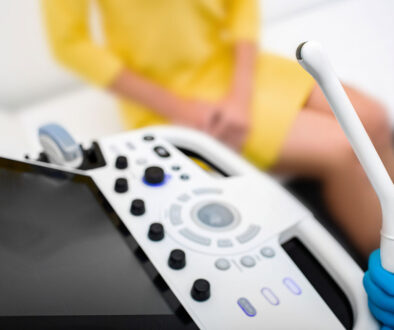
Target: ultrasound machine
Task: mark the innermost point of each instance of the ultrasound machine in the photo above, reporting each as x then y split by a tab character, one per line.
132	233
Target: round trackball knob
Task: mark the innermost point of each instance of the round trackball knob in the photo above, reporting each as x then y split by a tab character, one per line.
154	175
177	259
201	290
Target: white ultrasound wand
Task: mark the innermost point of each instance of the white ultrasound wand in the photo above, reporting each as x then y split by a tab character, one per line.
312	58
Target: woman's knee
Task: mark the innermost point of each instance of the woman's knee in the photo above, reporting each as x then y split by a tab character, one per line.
372	114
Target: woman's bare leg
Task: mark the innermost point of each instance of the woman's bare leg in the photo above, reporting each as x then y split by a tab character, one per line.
316	147
373	116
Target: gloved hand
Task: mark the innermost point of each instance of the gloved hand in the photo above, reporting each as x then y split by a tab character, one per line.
379	285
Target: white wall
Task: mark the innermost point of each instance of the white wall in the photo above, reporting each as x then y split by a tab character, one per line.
356	33
275	11
12	140
27	70
28	73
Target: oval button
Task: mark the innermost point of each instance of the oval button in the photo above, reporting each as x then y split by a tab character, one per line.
248	261
292	286
222	264
267	252
247	307
270	296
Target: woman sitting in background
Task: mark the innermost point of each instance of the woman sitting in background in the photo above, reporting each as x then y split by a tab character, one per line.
197	63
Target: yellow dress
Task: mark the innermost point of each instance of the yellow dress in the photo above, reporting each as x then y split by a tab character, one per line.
185	46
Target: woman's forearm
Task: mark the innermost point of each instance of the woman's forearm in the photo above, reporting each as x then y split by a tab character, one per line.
241	87
141	90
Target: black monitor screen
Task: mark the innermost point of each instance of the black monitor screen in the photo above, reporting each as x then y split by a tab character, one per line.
60	252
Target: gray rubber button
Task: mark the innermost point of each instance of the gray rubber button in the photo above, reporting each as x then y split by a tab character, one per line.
175	214
224	243
267	252
247	307
270	296
249	234
222	264
183	198
248	261
195	237
202	191
292	286
185	177
130	145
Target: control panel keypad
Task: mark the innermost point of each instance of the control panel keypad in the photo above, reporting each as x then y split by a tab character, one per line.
204	234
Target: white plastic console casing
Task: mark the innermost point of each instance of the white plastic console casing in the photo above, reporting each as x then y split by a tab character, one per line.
267	216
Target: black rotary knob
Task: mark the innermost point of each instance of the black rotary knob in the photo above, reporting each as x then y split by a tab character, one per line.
137	207
201	290
121	162
154	175
156	232
121	185
177	259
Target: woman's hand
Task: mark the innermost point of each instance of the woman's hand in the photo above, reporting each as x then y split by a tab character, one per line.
228	121
197	114
232	124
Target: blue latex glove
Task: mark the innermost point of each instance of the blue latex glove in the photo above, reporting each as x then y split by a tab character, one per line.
379	285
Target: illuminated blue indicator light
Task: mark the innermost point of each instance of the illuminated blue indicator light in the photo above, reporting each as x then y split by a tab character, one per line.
167	177
270	296
247	307
292	286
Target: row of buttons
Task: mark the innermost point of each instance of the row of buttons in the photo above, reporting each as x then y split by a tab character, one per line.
197	238
121	161
205	218
144	161
246	261
163	153
177	260
159	150
269	295
154	176
200	290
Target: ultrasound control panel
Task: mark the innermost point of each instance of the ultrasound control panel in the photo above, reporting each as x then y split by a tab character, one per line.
238	251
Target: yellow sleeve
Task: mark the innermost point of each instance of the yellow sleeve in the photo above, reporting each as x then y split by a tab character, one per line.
244	19
70	40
